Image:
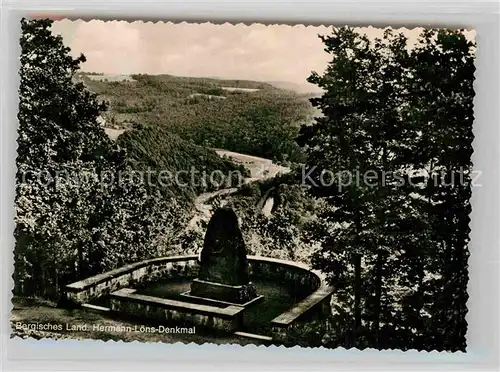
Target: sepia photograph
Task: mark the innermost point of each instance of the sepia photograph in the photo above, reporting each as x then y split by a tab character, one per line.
244	184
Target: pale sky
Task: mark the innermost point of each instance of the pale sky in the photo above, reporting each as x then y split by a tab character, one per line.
256	52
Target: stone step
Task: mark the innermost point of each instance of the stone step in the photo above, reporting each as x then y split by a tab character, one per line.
95	307
254	336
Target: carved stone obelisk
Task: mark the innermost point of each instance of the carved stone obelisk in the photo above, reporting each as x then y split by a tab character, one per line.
223	273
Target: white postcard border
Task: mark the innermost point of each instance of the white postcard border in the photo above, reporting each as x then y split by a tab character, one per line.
483	316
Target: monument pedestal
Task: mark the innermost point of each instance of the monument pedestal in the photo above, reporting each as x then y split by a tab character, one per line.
223	277
237	294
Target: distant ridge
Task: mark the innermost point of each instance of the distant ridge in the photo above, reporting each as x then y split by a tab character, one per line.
305	88
301	88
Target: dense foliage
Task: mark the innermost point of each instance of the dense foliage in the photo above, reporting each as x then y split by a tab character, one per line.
74	218
261	122
394	240
180	169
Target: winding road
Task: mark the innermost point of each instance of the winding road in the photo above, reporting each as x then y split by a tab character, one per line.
260	169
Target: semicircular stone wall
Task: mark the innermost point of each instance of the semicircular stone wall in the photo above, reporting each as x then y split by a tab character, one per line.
317	293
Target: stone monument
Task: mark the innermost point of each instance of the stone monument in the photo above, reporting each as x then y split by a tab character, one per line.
223	274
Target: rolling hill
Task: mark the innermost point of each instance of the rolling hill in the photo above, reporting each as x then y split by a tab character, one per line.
253	118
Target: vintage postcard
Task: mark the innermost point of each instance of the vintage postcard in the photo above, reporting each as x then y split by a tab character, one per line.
244	184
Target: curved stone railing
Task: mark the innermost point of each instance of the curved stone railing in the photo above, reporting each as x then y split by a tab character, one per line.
129	275
298	276
316	303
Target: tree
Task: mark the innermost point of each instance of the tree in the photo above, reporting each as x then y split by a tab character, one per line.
57	134
75	215
442	103
365	158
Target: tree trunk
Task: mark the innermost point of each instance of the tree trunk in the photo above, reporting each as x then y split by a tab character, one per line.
378	295
357	296
80	261
57	282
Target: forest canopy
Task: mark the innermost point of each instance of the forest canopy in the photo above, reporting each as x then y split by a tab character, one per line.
258	120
